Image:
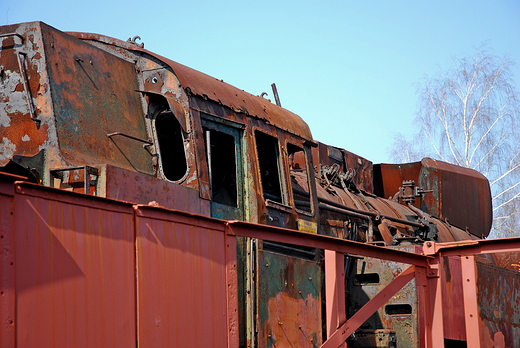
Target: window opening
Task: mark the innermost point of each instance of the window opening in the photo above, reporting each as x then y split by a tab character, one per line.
366	278
398	309
221	157
269	162
171	146
299	178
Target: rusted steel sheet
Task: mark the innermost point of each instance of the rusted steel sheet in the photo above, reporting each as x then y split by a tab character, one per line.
363	169
452	299
460	195
367	278
348	161
181	280
456	185
289	304
86	81
389	177
76	93
134	187
211	88
24	94
75	273
238	100
498	293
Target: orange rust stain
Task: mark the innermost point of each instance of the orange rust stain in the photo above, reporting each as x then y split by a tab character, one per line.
292	321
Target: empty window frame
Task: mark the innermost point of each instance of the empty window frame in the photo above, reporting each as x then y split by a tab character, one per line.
171	146
269	162
221	156
299	178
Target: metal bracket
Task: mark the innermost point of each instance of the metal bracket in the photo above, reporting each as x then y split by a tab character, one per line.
433	270
87	172
408	192
133	41
24	77
12	34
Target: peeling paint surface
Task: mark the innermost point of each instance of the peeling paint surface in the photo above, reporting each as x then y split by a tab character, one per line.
7	149
289	304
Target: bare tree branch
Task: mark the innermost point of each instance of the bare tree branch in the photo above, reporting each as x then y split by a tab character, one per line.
470	116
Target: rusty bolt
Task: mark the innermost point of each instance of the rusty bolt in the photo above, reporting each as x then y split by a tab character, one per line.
310	278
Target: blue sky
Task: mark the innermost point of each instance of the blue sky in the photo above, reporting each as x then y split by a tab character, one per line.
349	68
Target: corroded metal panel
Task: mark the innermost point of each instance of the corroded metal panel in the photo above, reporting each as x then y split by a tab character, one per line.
363	170
498	294
75	276
126	185
25	110
389	177
181	280
347	161
289	303
452	299
450	185
94	93
455	185
220	92
368	277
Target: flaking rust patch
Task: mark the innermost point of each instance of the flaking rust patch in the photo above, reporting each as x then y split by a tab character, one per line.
7	149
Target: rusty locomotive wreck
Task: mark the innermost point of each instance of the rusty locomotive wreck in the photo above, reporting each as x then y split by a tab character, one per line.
102	136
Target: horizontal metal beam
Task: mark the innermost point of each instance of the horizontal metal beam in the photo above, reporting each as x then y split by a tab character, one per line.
282	235
473	247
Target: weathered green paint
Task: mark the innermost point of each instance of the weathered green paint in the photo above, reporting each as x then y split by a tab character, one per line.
222	211
289	301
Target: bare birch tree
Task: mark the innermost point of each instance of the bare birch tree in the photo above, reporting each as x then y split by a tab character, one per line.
470	116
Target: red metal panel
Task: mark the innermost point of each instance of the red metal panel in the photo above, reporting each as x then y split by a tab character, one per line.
182	280
7	269
453	299
471	311
75	274
232	292
335	291
139	188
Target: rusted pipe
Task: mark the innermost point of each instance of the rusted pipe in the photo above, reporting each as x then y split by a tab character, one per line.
344	211
363	214
368	213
